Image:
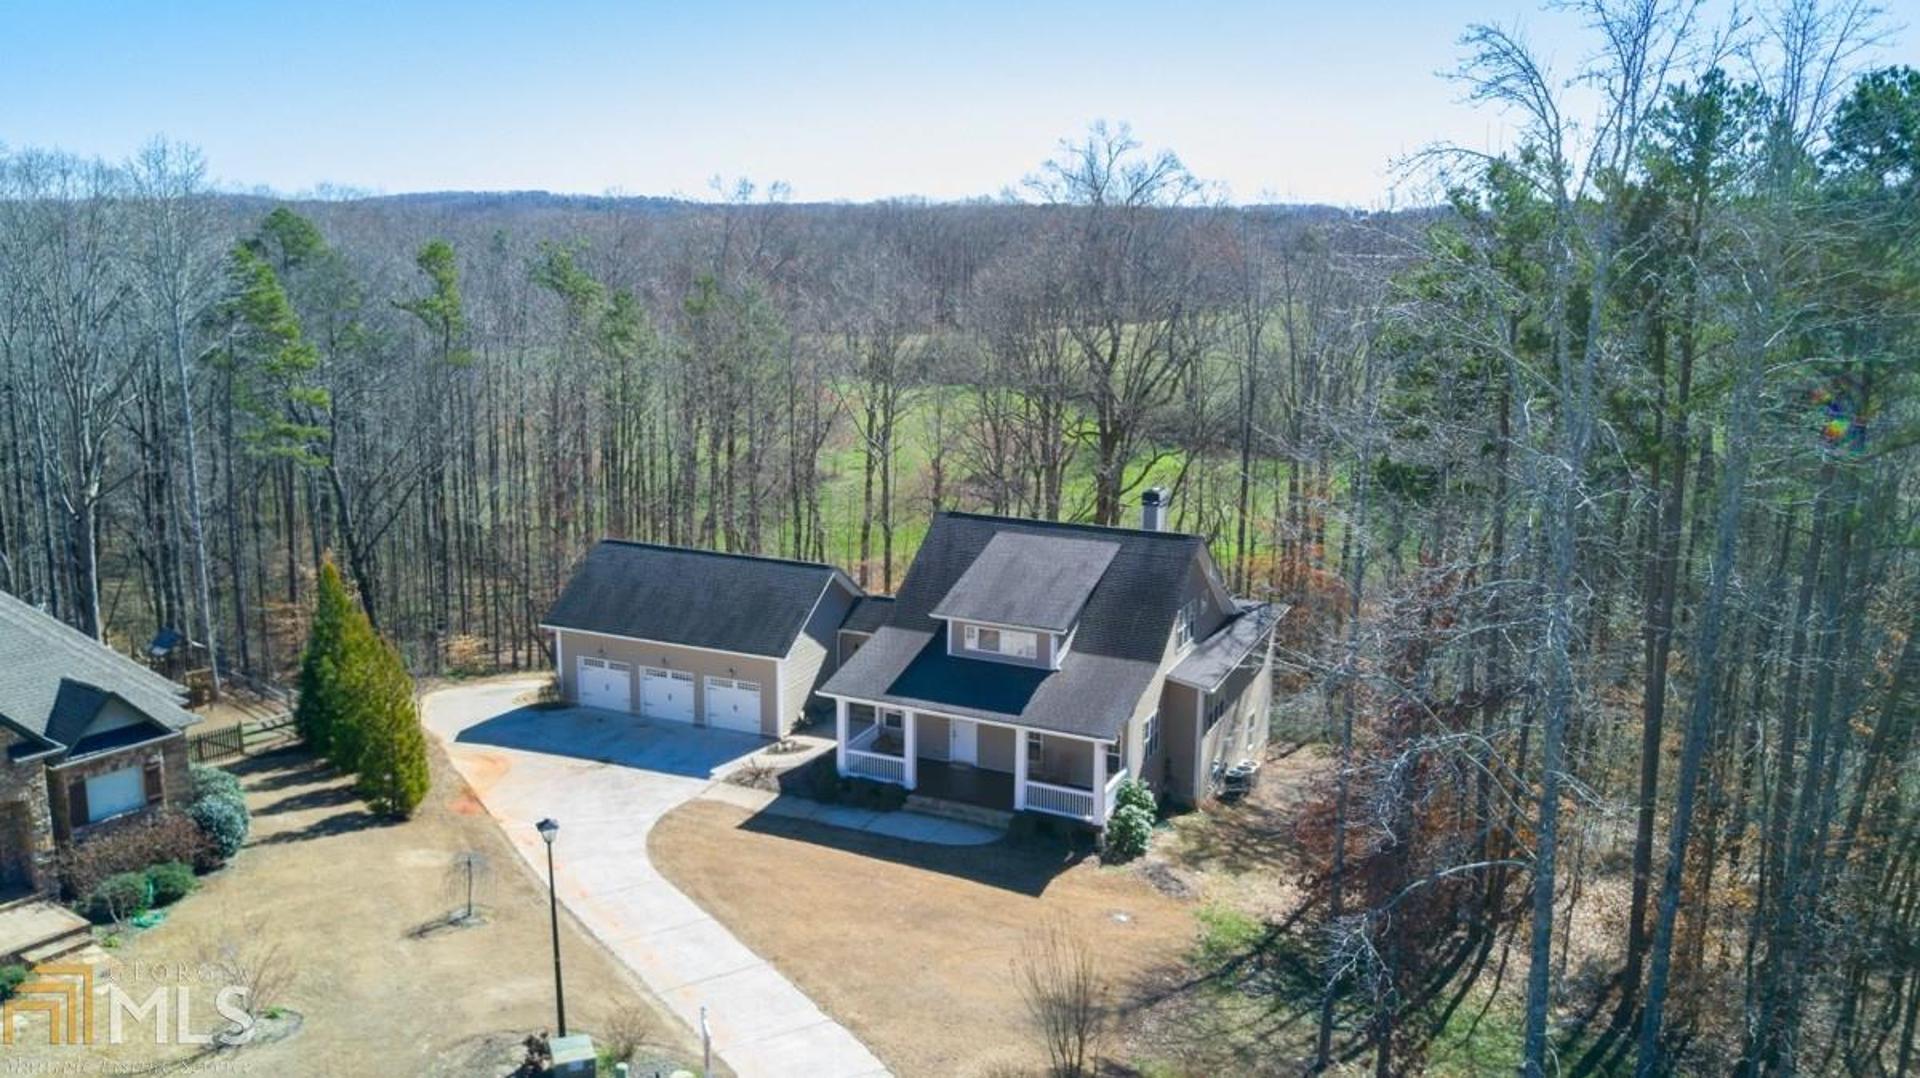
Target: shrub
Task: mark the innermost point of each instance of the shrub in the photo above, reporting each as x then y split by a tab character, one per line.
824	783
119	897
1128	831
11	978
170	882
130	846
1134	792
224	824
392	760
213	782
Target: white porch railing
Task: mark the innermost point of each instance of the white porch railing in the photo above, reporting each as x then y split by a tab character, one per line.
1060	800
873	765
1113	791
865	738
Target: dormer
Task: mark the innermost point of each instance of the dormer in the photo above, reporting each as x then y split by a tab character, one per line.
1020	600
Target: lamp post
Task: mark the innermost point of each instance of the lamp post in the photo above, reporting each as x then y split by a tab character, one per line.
549	829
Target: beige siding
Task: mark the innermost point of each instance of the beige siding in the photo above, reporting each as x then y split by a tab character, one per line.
1178	717
932	737
997	746
812	656
1065	761
700	663
1042	650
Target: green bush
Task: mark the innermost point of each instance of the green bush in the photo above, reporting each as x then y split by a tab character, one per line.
213	782
1133	792
119	897
130	846
1128	831
824	783
224	823
11	978
170	882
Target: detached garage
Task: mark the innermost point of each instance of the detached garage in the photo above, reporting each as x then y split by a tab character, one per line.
731	641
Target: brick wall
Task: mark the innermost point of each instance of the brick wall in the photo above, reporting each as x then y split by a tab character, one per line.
26	784
176	782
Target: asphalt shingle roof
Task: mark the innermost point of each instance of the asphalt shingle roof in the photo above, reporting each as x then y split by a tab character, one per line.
1122	633
1028	581
54	679
868	614
696	598
1214	659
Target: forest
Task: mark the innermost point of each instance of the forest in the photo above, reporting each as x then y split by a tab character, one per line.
1591	485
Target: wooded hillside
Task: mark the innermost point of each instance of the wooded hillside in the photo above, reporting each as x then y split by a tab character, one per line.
1593	488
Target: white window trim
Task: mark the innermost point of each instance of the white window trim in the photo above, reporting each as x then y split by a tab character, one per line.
971	634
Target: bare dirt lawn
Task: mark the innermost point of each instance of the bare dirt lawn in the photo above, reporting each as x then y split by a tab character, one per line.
382	987
914	946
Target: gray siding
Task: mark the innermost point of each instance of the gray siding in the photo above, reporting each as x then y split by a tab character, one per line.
813	656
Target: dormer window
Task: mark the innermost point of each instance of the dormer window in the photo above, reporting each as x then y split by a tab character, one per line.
1009	642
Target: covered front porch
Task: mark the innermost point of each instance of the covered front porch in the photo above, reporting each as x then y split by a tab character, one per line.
976	762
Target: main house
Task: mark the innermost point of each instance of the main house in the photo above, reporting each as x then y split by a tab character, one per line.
88	737
1032	666
1024	665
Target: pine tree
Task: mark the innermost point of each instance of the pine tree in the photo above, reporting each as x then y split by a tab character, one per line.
322	698
393	748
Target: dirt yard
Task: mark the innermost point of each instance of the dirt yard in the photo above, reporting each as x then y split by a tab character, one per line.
381	985
914	947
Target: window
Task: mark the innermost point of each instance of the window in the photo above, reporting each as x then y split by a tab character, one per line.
1150	735
1036	748
1184	621
115	793
892	720
1115	758
1009	642
1217	704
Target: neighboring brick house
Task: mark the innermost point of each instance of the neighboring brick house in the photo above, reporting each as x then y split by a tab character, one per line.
88	737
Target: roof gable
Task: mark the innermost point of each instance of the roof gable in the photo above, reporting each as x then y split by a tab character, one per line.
1028	581
695	598
1122	631
55	679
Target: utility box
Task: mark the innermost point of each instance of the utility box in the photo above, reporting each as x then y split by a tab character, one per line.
573	1056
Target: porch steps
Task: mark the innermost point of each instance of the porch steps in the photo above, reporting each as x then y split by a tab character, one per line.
958	810
38	931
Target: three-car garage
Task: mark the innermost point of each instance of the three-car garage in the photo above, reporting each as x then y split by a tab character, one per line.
729	641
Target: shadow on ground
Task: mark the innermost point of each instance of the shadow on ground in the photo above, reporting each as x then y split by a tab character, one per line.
1025	866
612	738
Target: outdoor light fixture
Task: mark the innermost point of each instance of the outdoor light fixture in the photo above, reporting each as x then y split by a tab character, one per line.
549	829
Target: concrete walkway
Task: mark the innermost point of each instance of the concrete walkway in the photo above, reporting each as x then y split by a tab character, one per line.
907	826
607	779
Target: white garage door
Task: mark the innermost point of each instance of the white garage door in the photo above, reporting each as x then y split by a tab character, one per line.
666	694
605	683
733	705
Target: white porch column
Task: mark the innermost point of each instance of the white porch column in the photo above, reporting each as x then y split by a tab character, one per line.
840	734
911	732
1100	783
1019	769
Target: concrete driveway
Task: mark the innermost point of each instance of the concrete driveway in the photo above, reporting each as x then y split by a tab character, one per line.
607	778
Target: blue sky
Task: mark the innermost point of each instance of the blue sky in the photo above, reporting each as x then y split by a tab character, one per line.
1297	101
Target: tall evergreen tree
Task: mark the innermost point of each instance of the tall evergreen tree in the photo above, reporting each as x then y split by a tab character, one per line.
322	690
393	748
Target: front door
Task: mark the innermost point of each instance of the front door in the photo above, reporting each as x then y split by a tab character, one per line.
16	847
963	741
